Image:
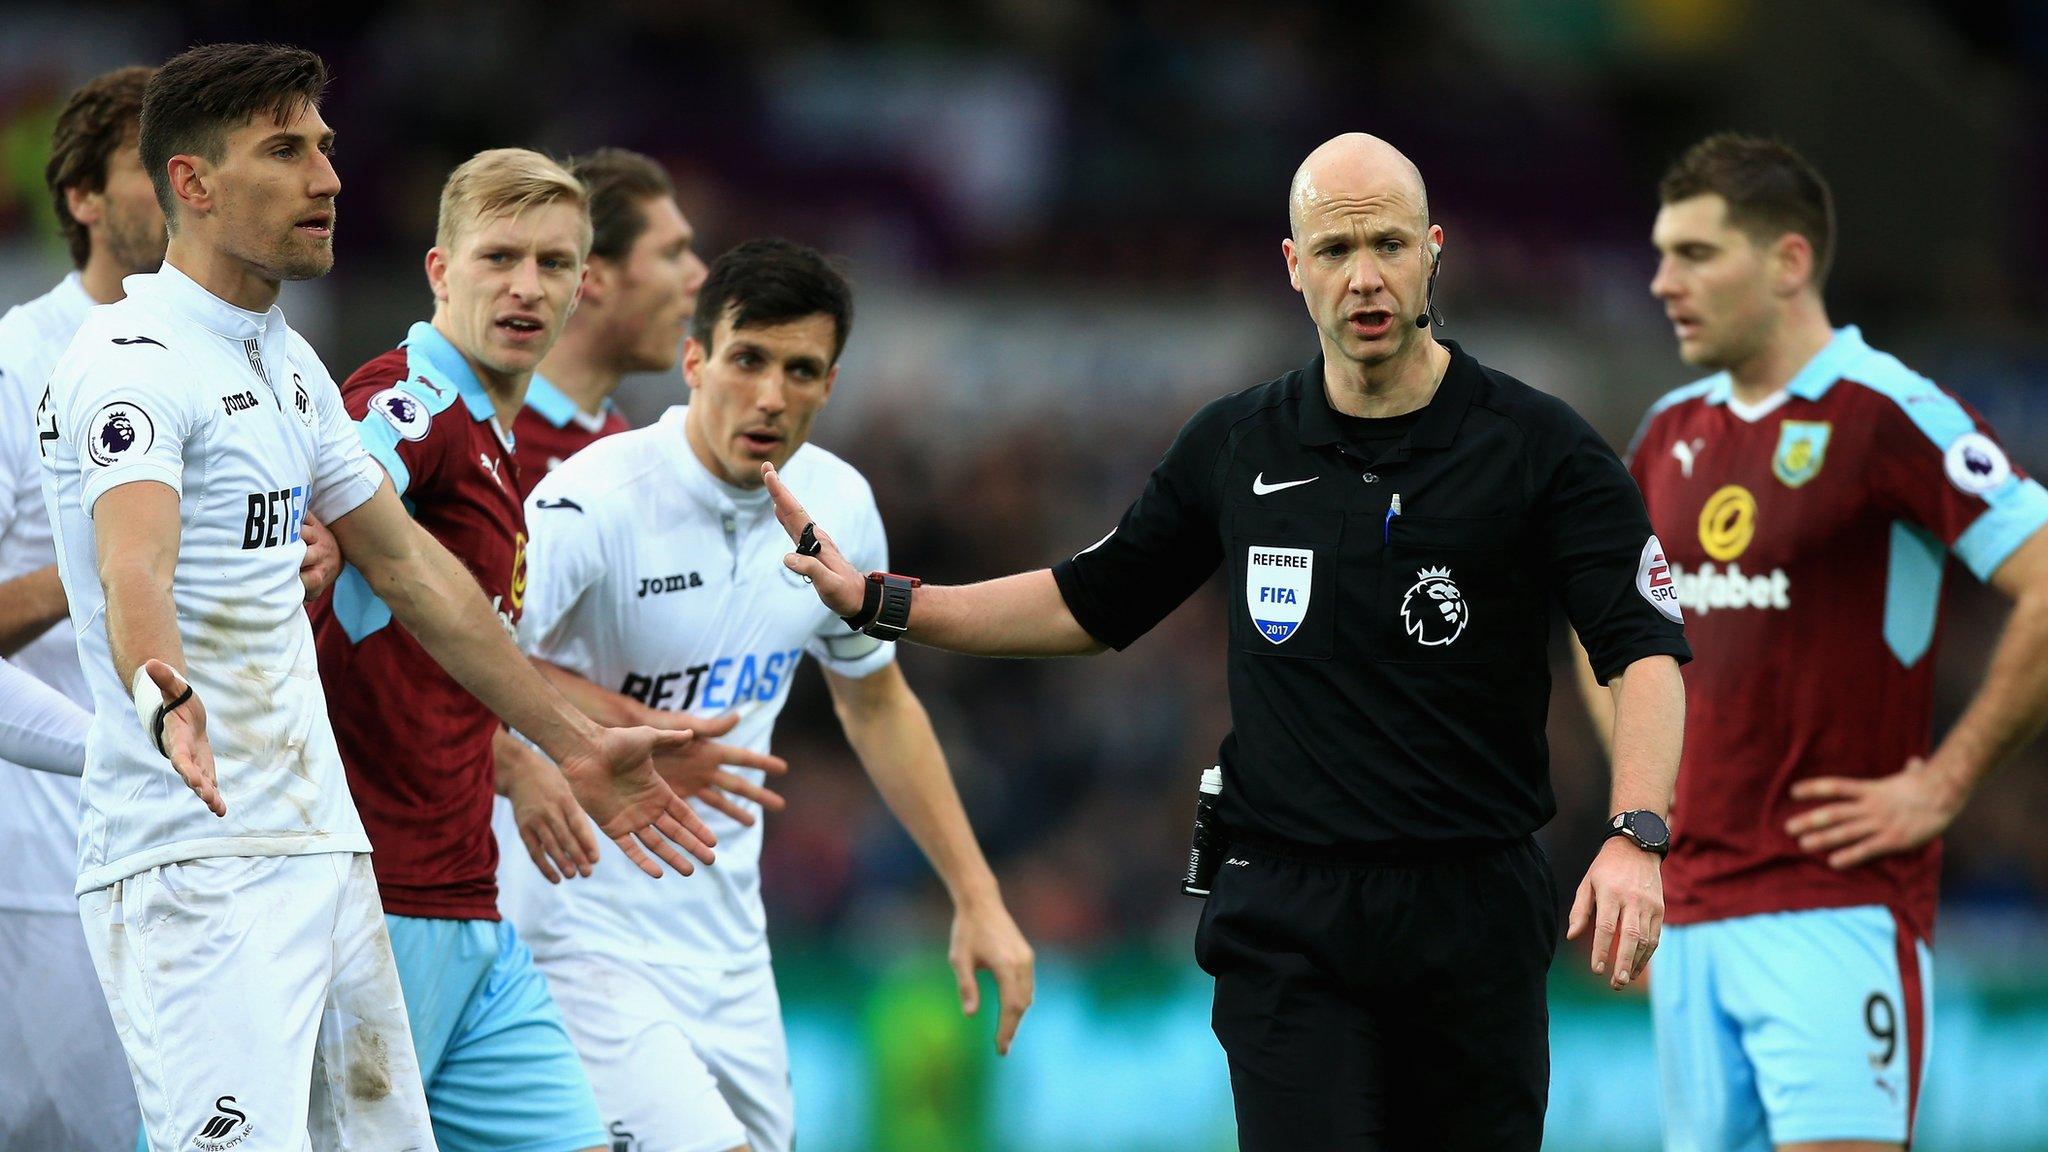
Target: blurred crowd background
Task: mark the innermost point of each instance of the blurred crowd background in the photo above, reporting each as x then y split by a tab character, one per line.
1063	220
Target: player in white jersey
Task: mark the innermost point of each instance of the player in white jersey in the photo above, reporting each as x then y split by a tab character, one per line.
185	434
655	569
55	1035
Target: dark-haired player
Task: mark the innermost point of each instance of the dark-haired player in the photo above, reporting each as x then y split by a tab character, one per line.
186	433
654	571
1808	495
54	1030
639	292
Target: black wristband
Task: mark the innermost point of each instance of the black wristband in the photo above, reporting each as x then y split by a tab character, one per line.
885	606
156	734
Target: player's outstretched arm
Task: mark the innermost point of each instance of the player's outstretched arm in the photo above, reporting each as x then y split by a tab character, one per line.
1622	896
40	728
1865	819
1020	615
704	755
29	605
136	530
892	734
613	770
551	823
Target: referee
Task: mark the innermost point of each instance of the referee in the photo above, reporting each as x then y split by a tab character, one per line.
1395	521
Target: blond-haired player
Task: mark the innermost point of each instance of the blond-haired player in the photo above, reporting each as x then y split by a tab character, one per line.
507	261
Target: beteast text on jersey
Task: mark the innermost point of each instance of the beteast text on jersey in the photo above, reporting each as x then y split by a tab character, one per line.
727	682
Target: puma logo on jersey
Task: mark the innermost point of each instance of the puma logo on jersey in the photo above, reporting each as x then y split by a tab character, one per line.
656	585
1687	451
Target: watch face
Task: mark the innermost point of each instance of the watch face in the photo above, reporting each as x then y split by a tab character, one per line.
1650	827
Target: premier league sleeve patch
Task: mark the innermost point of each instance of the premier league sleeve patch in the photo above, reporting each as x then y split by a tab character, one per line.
1976	464
119	432
1653	580
404	413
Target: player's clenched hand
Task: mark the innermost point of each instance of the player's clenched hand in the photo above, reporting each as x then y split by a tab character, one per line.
985	937
616	782
839	584
551	823
184	739
322	562
1622	896
1872	818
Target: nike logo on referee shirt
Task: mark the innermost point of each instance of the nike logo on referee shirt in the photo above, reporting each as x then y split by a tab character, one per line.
1261	488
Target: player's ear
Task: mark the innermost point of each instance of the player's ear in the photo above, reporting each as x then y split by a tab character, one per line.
85	207
1293	262
437	273
597	279
188	182
693	360
1792	262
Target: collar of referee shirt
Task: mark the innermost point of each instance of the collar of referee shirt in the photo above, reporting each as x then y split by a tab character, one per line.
1433	432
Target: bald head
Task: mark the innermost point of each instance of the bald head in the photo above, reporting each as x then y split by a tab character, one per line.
1355	168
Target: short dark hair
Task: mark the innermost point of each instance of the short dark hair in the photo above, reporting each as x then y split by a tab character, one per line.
203	93
1770	190
773	281
620	182
92	126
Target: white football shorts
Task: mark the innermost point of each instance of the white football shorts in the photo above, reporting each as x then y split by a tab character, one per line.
258	1003
681	1059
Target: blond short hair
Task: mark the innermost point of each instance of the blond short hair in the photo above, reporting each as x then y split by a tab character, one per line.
506	182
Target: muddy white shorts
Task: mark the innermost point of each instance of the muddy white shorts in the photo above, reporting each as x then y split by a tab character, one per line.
259	1005
681	1059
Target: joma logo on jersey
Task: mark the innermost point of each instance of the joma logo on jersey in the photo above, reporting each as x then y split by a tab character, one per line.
681	581
726	682
238	402
1710	589
274	517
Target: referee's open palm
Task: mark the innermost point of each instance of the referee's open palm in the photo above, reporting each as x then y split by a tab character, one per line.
619	787
839	584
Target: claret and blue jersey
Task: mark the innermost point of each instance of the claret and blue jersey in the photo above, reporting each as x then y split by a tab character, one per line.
1808	540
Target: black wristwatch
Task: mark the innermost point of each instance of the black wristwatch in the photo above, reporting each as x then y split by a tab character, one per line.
885	606
1644	828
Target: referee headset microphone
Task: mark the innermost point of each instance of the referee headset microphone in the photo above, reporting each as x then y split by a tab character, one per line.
1429	313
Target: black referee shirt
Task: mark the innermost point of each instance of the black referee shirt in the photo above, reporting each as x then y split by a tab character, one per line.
1389	673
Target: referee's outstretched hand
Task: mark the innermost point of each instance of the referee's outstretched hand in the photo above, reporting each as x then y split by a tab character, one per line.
184	739
1622	896
619	784
839	584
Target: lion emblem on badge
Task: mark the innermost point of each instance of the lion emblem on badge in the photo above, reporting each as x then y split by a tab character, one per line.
404	413
1434	611
118	431
117	435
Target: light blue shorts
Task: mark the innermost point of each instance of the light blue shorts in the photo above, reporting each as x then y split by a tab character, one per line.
1790	1027
500	1072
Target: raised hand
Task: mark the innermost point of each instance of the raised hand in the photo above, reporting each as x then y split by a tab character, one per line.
184	737
839	584
617	783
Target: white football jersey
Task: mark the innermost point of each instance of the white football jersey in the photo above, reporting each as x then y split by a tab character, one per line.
38	811
233	411
649	576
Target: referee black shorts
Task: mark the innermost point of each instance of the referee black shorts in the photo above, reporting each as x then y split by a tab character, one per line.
1394	1005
